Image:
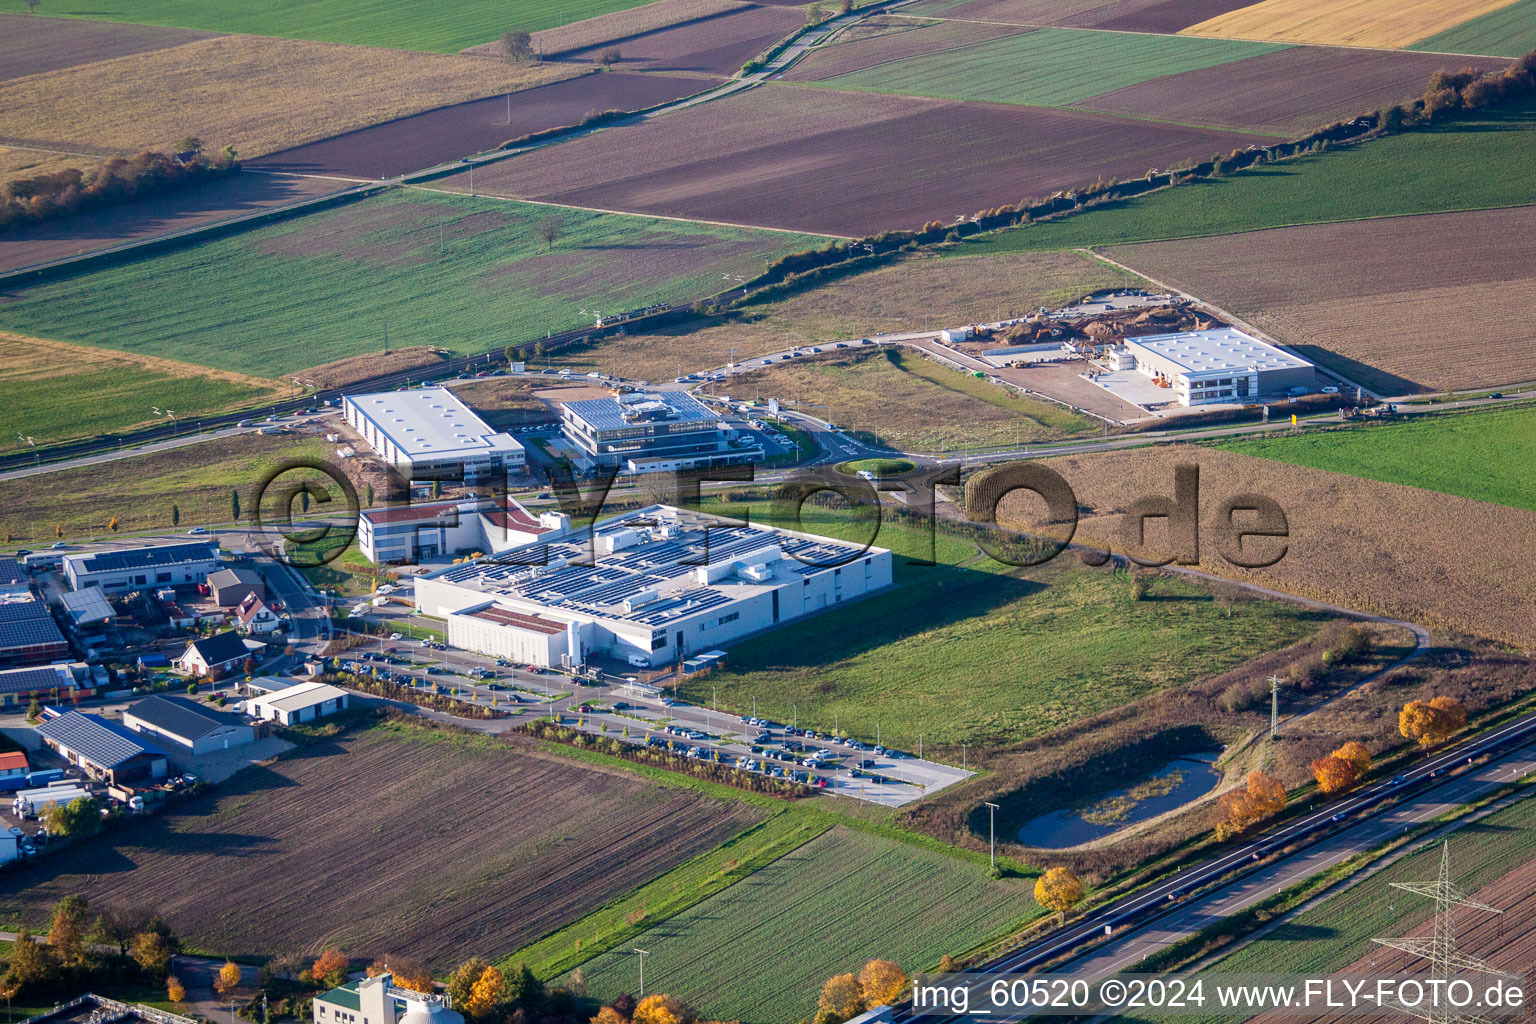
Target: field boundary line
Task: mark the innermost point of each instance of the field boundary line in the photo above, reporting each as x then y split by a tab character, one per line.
624	213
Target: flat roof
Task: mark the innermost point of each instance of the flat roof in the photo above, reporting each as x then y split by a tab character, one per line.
156	556
1222	348
507	617
300	695
652	582
638	409
426	422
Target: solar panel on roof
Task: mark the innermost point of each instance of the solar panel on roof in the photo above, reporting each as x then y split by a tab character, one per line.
27	624
145	558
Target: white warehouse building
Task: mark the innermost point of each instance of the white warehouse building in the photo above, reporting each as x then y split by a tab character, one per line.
428	433
1223	365
666	583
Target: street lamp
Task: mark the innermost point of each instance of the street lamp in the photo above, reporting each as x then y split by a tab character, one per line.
643	955
992	831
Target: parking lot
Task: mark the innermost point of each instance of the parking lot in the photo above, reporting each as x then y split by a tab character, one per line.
640	715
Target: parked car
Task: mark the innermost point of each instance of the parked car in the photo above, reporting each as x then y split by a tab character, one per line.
196	531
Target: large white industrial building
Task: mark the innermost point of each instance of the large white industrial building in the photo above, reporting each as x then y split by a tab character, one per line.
665	582
121	570
1223	365
427	433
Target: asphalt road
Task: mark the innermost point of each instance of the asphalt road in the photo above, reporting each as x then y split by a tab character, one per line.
1149	920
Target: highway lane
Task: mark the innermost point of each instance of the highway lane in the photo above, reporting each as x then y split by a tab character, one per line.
1152	919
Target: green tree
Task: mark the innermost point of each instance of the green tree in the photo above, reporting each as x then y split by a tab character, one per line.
175	515
79	817
117	925
526	990
517	46
190	144
234	503
34	711
32	964
71	923
152	951
462	981
549	229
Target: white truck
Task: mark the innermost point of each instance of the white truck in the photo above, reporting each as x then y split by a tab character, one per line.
29	803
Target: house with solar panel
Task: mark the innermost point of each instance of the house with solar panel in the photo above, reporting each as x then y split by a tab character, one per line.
648	588
48	683
124	570
104	749
29	635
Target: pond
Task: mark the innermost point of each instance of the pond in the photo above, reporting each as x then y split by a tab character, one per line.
1175	784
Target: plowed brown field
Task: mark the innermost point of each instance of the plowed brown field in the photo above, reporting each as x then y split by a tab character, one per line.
841	163
30	45
1122	15
891	38
716	45
1404	303
1383	548
1289	92
393	840
447	133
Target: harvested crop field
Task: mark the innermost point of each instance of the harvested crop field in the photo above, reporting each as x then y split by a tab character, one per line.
98	229
838	162
1047	67
921	293
1388	23
905	402
1289	92
505	401
31	45
323	287
1420	555
245	91
447	133
1407	304
890	37
1509	32
760	950
717	45
458	875
28	163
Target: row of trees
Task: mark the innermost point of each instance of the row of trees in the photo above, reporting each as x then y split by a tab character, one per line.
77	950
1469	89
845	996
109	183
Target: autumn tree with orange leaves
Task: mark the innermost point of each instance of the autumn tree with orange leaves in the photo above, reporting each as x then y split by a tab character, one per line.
1431	722
1261	797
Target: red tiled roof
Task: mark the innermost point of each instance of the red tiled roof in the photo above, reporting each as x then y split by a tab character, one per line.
521	621
12	760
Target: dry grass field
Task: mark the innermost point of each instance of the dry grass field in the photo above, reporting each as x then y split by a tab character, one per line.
398	839
255	93
1403	304
27	163
904	401
664	353
1375	547
505	401
927	292
1387	23
348	371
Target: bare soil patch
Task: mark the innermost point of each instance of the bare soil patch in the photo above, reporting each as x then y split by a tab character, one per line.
467	847
31	45
505	401
666	353
1288	92
841	163
1151	15
1008	12
256	93
891	37
619	25
98	229
1382	548
718	44
1406	303
447	133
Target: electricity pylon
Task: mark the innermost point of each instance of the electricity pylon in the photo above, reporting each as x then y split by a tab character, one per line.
1439	948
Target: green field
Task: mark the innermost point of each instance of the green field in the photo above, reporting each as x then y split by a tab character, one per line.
1484	455
329	285
47	406
759	951
1048	67
1479	163
400	24
1507	32
966	651
879	467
